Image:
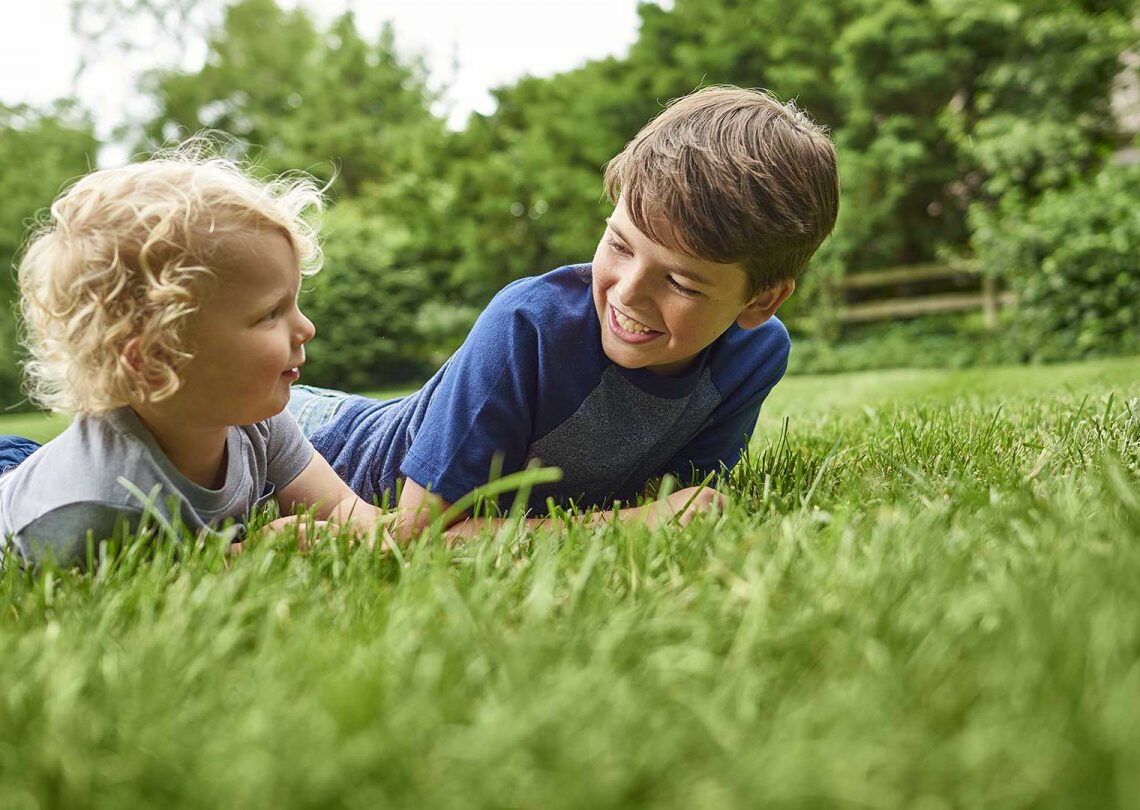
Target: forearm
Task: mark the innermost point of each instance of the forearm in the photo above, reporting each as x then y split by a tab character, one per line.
680	507
363	521
352	510
466	529
419	510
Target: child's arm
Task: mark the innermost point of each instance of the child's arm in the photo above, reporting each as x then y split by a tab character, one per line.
418	507
319	487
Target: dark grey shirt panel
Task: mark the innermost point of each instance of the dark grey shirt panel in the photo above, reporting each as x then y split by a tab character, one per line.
621	436
63	531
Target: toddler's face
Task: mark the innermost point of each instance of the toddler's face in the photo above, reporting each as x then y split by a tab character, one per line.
247	339
659	308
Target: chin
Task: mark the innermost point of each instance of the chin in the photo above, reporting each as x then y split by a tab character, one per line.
274	410
267	411
619	359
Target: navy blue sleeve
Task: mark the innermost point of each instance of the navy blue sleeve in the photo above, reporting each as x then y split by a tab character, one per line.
721	441
483	408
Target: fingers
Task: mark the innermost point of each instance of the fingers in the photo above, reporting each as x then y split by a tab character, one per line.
311	532
683	505
693	501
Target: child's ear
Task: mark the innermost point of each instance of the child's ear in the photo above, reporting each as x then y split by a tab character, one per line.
764	304
131	358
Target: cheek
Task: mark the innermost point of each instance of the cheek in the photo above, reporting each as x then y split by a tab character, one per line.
689	323
602	278
600	254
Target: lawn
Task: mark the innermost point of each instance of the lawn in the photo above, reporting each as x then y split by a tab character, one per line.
925	594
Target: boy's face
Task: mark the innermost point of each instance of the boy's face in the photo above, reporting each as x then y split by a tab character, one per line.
247	338
659	308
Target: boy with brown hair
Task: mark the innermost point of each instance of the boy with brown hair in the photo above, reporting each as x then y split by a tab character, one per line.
652	360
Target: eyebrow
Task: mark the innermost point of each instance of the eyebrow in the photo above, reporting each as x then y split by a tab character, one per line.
672	268
268	303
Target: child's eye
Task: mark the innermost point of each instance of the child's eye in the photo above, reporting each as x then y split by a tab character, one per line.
619	247
272	316
681	288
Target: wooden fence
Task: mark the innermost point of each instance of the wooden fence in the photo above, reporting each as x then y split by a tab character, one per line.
916	290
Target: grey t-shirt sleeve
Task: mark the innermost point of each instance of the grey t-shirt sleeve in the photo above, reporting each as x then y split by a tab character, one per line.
63	531
287	450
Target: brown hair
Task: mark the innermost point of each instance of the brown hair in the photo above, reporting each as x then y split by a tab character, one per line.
734	176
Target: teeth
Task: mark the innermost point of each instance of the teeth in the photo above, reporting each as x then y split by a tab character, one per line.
630	325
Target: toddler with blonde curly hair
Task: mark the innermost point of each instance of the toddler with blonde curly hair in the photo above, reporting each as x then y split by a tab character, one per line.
160	306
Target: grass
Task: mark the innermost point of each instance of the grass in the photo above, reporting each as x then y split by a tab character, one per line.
38	426
925	594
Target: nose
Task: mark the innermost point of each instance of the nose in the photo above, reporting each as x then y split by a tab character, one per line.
633	285
305	329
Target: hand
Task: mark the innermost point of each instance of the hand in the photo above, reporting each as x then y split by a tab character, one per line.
683	505
280	525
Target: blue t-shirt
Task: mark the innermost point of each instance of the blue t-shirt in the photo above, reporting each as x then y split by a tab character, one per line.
532	382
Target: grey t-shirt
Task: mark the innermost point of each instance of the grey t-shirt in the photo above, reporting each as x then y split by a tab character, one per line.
72	485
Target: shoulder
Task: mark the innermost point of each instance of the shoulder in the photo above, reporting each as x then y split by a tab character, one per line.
765	344
80	466
275	448
753	359
536	318
546	299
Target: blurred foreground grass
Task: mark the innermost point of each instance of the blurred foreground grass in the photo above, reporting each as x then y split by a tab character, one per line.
925	594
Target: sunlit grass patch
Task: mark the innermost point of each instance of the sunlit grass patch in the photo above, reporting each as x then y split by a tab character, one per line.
926	599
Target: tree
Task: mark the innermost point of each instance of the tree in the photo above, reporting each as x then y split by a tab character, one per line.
303	98
40	151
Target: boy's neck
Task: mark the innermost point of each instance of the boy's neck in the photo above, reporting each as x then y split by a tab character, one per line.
199	453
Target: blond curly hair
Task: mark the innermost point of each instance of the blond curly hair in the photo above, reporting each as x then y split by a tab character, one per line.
124	254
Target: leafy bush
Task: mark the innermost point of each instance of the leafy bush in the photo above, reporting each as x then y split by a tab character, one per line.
948	341
381	316
41	150
1073	258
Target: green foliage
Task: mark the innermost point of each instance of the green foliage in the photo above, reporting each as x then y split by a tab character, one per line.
1041	112
765	43
40	151
915	599
949	115
304	98
1072	259
378	320
527	179
948	103
946	341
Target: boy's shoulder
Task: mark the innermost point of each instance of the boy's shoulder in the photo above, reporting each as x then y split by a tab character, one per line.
547	299
769	339
76	481
550	314
750	360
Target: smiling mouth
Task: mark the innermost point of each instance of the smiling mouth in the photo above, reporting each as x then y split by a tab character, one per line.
630	329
